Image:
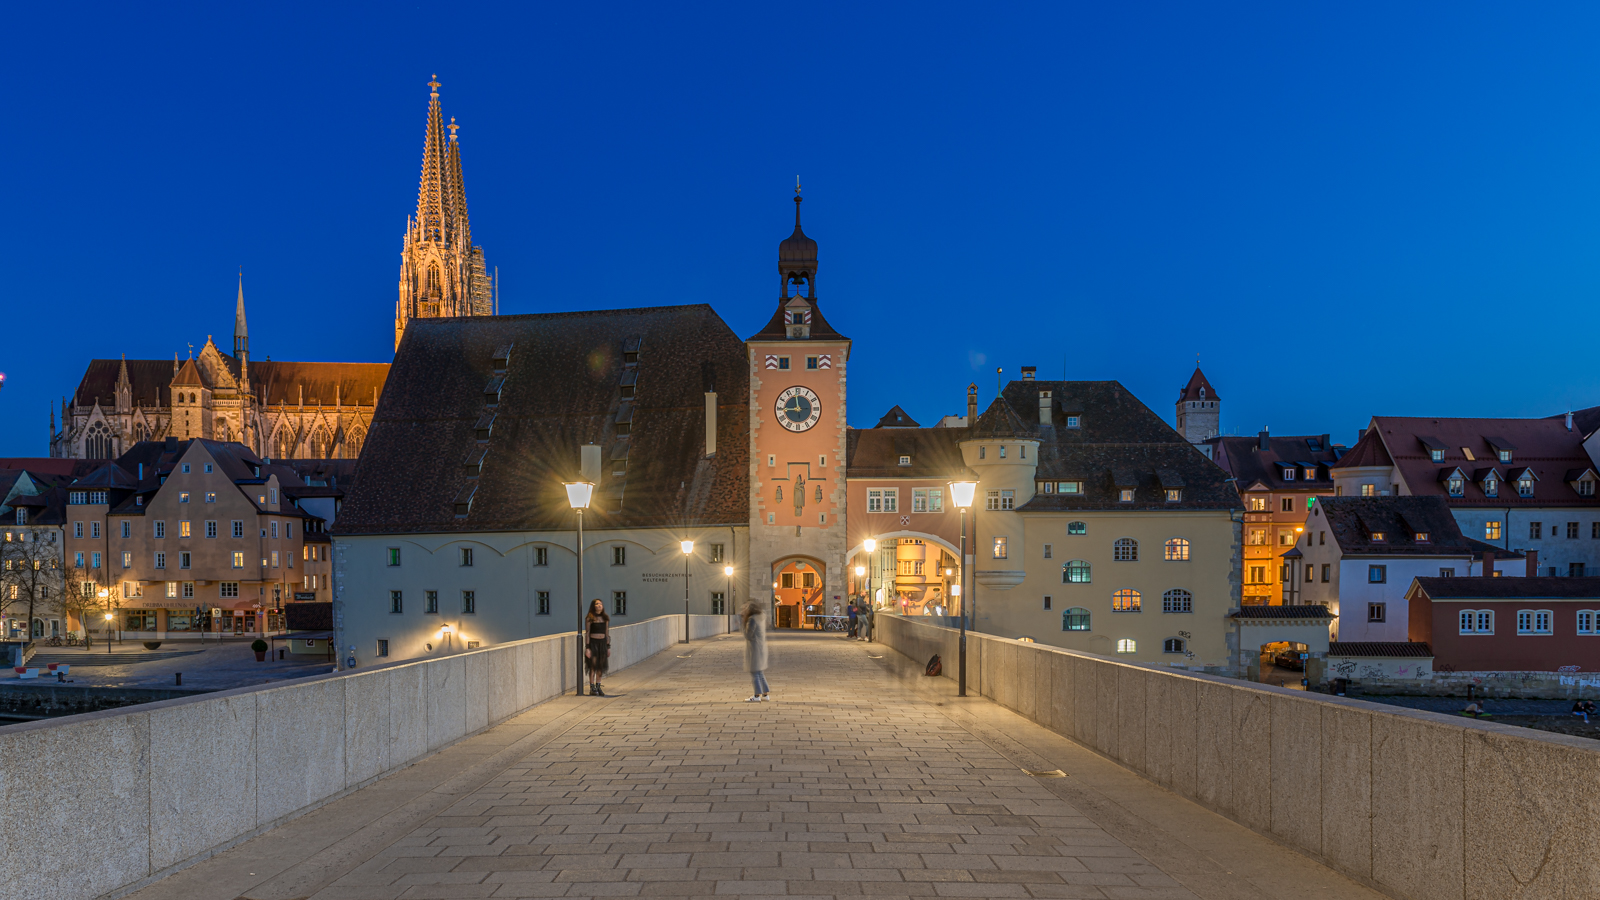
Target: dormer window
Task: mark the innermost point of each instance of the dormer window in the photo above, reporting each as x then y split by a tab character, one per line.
905	460
797	318
1125	495
1586	488
1069	487
1421	537
1378	537
1311	474
1072	421
1505	456
1525	486
1288	474
1491	487
1174	495
1457	486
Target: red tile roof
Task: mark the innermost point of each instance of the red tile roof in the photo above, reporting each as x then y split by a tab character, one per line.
1369	451
1409	649
1198	388
1543	445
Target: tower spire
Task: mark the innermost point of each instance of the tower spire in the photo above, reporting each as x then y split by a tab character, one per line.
241	332
431	207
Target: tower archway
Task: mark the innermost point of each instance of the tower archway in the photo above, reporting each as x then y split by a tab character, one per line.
799	590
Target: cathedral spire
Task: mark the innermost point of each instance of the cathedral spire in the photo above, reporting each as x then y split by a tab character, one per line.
460	225
432	207
241	333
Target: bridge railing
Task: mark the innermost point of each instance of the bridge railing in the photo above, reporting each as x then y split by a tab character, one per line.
1414	804
104	802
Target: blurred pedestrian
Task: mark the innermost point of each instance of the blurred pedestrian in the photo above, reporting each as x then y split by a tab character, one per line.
864	622
755	649
851	612
597	647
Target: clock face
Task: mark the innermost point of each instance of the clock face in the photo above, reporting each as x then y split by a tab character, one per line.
798	409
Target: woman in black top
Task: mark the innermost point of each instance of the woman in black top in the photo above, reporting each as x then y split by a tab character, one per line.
598	648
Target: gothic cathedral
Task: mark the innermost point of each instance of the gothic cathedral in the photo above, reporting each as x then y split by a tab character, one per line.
797	437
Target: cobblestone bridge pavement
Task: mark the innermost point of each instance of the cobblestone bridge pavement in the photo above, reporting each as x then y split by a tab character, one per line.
859	778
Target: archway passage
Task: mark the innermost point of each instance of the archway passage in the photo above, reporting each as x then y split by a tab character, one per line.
799	587
1280	663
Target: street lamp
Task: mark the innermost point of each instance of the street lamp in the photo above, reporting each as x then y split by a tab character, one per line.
961	494
108	629
871	546
578	495
688	551
728	571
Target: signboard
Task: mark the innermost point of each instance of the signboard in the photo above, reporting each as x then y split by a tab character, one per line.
216	611
305	595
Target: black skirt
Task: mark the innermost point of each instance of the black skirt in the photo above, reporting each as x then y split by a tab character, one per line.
599	655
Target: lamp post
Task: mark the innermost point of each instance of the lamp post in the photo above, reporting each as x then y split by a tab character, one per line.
108	632
961	494
728	610
578	496
688	551
871	546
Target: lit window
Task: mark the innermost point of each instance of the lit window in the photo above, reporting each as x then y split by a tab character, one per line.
1378	537
394	556
1075	572
1002	451
184	529
1075	619
1177	550
1257	537
1436	455
211	497
1369	490
935	499
1491	531
1125	550
1125	495
1177	600
1311	474
1421	537
1069	487
1127	645
183	496
238	559
1174	495
999	546
1256	504
1125	600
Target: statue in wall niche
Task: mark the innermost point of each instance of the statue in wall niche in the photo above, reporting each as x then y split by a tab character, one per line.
799	494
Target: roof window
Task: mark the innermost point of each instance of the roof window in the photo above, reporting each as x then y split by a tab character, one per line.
905	460
1378	537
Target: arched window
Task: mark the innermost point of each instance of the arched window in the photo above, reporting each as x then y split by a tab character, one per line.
1177	550
432	289
97	444
1177	600
319	444
1172	645
192	398
1125	550
138	431
1077	528
1075	619
1125	600
1127	645
1076	571
354	441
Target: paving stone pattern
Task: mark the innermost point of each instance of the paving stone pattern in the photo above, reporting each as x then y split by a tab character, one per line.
846	784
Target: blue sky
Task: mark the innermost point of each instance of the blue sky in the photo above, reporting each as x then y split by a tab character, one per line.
1343	210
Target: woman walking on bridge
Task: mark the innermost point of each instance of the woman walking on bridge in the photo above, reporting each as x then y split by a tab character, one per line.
598	646
755	647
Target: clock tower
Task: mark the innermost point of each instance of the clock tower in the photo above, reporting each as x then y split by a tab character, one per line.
797	442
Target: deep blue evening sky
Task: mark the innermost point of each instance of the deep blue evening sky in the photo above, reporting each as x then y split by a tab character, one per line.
1345	212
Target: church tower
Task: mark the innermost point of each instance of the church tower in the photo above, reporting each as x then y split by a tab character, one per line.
1199	411
441	272
797	434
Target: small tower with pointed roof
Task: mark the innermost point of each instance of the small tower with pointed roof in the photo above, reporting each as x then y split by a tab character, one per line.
1199	411
241	333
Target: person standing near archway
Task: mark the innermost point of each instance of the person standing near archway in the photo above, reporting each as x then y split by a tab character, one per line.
755	649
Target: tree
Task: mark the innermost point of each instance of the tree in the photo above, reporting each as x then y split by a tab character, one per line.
30	571
88	605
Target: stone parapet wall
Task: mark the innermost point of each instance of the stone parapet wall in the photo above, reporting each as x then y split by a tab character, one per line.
127	797
1501	685
1418	805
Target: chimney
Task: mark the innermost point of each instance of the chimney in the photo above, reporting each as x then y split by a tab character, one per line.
1569	420
711	423
1533	559
1028	372
972	404
1261	440
1045	408
1488	563
1325	439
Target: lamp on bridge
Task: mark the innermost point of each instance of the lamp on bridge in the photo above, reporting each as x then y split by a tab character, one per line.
579	493
961	494
728	571
870	545
688	551
109	617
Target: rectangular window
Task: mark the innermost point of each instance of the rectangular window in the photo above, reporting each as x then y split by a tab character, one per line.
183	496
905	460
1491	531
394	556
396	602
273	493
1377	574
935	499
1125	495
127	560
185	468
1288	474
184	530
544	603
1376	612
1069	487
541	556
238	559
228	589
619	556
469	602
94	530
919	500
1286	503
127	528
78	559
718	605
1485	621
211	528
172	589
1572	529
430	602
383	648
1369	490
1575	570
1327	571
184	560
786	580
1586	619
466	556
188	590
211	497
619	603
161	560
891	500
783	362
716	553
275	559
1535	530
808	580
875	501
78	498
1256	504
1286	539
1047	550
274	529
1258	537
160	529
999	546
1447	573
811	362
1174	495
95	559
